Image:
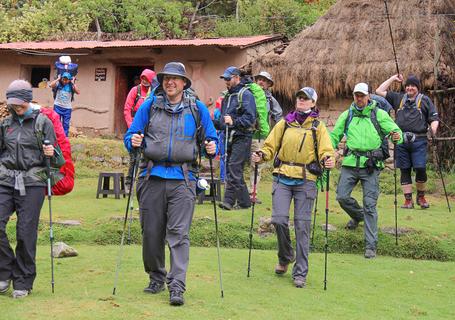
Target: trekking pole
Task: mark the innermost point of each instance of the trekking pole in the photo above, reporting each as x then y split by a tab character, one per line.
49	198
391	36
125	220
314	219
395	202
438	163
131	192
252	216
213	192
326	245
226	135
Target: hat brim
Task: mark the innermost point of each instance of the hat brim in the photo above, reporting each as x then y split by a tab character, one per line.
260	75
160	76
362	92
15	101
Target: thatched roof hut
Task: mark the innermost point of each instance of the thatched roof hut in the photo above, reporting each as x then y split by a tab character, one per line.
352	43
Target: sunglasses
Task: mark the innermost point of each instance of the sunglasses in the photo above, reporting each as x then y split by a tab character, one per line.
303	98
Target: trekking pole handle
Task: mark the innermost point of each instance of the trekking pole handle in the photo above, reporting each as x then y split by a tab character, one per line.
46	143
207	141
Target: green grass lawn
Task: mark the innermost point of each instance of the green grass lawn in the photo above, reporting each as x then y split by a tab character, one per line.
383	288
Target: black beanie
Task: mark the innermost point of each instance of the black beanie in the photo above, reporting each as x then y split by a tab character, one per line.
413	80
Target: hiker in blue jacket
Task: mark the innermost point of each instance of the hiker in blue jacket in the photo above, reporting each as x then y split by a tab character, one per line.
240	119
171	127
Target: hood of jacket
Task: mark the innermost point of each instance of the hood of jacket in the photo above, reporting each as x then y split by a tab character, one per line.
148	74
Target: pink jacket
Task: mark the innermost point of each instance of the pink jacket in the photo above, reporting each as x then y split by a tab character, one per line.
129	103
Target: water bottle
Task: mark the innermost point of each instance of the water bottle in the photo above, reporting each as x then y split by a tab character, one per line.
201	185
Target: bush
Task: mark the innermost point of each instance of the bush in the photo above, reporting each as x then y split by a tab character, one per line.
414	245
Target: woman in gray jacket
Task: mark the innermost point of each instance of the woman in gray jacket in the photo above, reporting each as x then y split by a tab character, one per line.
22	185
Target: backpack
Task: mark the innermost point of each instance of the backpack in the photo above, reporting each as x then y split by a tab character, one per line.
373	117
136	99
63	181
418	103
68	67
261	102
66	183
194	112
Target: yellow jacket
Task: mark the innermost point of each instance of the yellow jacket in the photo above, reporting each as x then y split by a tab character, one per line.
296	147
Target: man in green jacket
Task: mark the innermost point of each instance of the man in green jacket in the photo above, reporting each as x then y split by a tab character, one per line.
364	125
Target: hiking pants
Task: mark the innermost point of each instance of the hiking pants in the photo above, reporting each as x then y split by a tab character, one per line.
166	208
303	196
349	177
20	267
65	117
238	155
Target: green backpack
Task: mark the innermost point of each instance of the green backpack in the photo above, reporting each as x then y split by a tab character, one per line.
262	122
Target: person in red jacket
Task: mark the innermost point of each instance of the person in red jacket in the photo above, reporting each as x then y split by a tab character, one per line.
137	95
135	98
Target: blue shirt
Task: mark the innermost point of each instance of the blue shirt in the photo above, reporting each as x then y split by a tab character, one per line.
140	122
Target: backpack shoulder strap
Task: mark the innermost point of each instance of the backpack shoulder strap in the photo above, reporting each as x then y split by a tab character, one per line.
240	94
348	122
419	101
314	128
374	120
138	95
39	128
403	100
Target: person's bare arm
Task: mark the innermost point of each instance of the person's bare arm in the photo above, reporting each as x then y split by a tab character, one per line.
382	89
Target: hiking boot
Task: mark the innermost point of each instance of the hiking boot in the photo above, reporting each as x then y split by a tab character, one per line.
19	294
352	224
176	298
408	204
422	202
239	207
300	282
281	268
370	253
257	201
225	206
4	286
154	287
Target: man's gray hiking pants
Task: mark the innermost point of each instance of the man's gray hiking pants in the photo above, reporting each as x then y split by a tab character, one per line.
166	208
349	177
303	196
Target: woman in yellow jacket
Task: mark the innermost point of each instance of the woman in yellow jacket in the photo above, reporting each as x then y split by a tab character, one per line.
292	146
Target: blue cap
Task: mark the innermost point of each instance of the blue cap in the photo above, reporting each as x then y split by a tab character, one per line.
67	75
229	72
174	69
309	92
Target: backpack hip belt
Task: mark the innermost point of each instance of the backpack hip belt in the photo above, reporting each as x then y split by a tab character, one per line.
409	137
296	164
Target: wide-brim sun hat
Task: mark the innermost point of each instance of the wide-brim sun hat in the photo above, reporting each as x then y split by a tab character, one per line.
174	69
264	74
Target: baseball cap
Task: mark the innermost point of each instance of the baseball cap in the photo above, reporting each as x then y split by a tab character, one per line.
229	72
309	92
361	87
